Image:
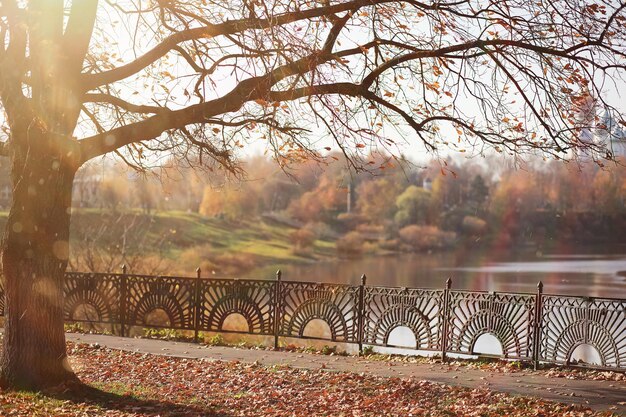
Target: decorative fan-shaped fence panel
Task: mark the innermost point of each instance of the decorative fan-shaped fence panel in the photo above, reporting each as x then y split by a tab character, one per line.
173	298
302	302
386	309
254	300
93	298
569	322
508	317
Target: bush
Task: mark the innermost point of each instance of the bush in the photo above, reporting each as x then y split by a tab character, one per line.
367	351
473	225
218	263
216	340
350	245
328	350
302	238
371	229
349	221
390	244
426	237
402	218
321	230
166	334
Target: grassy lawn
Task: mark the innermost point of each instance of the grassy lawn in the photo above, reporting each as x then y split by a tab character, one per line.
128	384
181	237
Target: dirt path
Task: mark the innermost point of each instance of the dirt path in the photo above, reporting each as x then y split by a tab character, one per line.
599	395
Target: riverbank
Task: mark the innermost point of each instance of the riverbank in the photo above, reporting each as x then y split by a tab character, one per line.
173	242
177	243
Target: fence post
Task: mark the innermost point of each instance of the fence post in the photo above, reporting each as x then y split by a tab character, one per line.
123	296
361	313
197	305
446	314
537	325
277	309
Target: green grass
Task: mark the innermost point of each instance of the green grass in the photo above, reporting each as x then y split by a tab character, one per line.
173	235
35	398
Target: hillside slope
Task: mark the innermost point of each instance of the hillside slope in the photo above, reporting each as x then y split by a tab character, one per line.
178	242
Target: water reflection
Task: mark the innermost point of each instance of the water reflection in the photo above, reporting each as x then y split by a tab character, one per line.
578	274
600	275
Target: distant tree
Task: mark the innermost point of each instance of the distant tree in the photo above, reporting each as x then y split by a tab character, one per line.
189	196
321	204
609	189
375	197
517	192
118	239
412	206
478	192
302	239
450	186
229	202
145	194
516	195
113	193
351	244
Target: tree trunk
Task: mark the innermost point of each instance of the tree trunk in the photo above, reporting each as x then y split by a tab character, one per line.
35	252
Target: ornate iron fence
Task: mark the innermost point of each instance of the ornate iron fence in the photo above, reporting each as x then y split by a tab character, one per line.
508	317
537	328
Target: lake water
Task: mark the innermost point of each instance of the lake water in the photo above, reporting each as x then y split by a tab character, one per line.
588	274
599	273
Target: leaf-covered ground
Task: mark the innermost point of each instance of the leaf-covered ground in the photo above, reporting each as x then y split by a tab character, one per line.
128	384
504	366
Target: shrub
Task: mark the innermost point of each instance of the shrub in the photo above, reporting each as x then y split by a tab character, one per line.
321	230
349	221
350	244
167	334
402	218
473	225
218	263
302	238
73	328
426	237
368	351
328	350
371	229
390	244
216	340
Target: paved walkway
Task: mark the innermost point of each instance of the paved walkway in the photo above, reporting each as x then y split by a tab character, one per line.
599	395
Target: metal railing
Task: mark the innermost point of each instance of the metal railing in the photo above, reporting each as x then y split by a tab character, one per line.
536	328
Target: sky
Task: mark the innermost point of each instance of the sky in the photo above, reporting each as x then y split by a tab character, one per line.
126	47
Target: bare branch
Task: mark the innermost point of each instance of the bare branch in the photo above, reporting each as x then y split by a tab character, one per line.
247	90
78	33
91	81
123	104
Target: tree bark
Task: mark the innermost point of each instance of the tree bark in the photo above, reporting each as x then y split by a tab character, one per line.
35	252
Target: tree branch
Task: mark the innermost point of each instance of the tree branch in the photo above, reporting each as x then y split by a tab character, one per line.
78	33
250	89
418	127
259	88
123	104
91	81
480	44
